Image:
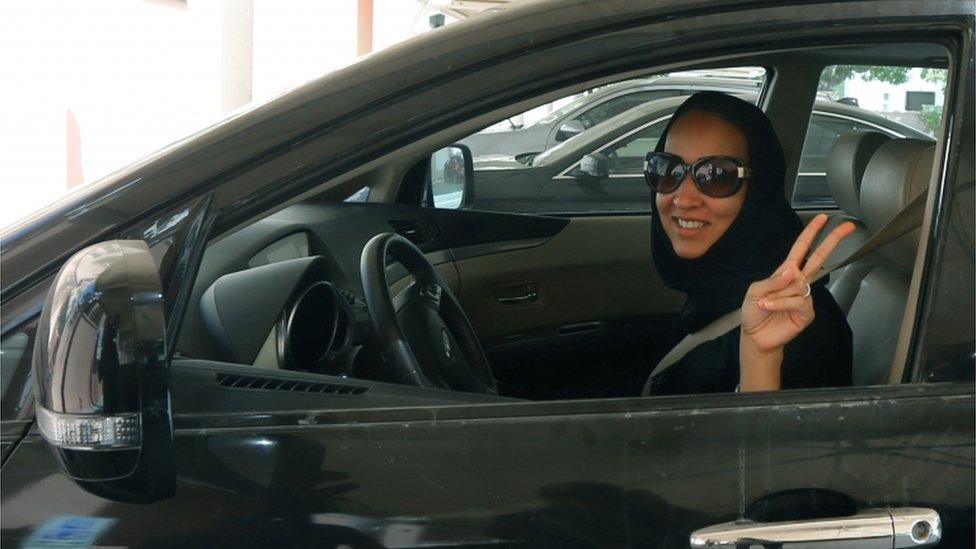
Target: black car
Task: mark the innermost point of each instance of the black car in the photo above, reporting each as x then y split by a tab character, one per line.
594	107
557	181
212	348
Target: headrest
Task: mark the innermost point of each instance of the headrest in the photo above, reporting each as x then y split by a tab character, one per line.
846	163
897	173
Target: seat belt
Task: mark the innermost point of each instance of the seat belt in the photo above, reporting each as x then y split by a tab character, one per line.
907	219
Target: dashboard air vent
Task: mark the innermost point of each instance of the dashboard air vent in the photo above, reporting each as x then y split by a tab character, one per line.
236	381
418	231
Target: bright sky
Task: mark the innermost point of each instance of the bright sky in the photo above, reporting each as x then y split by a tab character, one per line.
138	75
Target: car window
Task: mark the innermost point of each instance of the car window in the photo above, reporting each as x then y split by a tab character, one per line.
616	105
821	134
859	97
627	156
531	168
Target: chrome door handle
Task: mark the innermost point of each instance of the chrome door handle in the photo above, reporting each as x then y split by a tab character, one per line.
528	297
900	527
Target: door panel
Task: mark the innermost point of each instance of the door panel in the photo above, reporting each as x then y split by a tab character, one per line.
632	472
597	268
579	315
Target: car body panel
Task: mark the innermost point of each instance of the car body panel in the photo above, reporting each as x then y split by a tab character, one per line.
634	472
542	474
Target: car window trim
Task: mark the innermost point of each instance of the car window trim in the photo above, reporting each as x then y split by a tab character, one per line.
857	121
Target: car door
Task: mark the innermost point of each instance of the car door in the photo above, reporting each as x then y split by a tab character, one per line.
269	467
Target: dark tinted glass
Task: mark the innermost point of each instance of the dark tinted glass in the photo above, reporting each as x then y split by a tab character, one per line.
16	351
946	348
811	182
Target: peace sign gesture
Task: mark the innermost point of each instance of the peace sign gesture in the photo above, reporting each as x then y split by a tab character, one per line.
777	309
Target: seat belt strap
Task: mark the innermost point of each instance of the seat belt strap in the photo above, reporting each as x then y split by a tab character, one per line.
910	217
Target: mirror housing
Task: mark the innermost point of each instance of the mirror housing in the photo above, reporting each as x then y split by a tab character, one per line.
101	386
592	167
450	177
570	129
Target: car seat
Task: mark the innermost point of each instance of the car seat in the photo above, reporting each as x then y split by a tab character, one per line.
846	162
898	172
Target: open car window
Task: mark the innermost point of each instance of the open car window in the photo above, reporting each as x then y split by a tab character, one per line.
531	169
899	102
623	140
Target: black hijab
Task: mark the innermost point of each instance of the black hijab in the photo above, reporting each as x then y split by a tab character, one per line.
756	242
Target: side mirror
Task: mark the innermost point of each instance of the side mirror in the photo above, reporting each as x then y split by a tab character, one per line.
101	386
450	182
592	167
570	129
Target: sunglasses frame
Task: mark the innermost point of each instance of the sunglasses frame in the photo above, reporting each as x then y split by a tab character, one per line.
742	171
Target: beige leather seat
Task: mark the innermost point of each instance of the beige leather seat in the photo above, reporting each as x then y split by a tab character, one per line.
898	172
846	162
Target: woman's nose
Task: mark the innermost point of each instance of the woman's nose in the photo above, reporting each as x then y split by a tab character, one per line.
687	194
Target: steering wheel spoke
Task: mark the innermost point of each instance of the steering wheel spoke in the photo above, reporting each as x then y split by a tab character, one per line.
405	297
422	330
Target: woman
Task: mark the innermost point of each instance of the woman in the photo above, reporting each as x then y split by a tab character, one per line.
724	234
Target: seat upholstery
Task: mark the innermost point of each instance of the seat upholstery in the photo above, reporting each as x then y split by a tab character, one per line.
898	172
846	162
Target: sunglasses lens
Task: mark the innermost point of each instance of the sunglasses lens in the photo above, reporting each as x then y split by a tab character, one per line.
663	172
717	177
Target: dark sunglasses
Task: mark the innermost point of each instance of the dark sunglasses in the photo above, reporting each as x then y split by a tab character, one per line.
715	176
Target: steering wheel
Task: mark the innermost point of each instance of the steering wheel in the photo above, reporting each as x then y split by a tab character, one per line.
424	334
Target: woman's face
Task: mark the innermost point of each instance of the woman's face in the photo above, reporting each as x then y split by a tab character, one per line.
695	135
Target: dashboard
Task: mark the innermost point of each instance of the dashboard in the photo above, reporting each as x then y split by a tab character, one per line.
285	292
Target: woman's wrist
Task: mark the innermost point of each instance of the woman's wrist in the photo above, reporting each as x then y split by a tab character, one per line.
759	369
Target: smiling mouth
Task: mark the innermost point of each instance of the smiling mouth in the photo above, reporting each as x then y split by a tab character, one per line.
689	223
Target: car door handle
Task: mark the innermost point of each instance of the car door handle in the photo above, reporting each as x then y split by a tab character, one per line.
514	294
899	527
528	297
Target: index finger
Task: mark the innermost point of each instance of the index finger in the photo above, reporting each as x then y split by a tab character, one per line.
802	245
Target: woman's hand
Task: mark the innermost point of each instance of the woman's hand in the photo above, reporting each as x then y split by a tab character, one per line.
777	309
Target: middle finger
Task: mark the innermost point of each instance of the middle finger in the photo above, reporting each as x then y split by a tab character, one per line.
823	251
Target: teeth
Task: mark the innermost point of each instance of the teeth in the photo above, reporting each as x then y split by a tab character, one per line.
690	224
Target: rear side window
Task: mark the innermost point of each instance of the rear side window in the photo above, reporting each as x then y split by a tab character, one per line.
901	102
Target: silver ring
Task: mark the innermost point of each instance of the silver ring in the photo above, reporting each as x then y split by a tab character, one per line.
809	289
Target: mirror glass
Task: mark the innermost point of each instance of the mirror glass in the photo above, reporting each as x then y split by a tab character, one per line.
447	177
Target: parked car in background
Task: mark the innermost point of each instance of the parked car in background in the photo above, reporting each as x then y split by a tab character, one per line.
209	348
594	107
601	169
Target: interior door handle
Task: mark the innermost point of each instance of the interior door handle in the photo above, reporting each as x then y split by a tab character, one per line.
516	293
900	527
528	297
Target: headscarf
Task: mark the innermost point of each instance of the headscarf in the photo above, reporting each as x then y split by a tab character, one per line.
758	239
